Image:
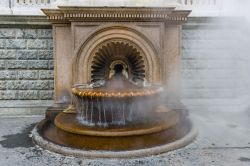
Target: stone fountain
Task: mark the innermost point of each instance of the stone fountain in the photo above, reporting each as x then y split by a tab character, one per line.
112	68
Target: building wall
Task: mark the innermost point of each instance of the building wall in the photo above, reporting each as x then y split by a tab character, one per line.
215	64
26	63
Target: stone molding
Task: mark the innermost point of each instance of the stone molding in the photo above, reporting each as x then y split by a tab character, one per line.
93	14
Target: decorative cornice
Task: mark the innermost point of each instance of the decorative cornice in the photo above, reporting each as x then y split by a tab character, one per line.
147	14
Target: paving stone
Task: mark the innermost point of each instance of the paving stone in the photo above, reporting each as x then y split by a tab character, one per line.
228	130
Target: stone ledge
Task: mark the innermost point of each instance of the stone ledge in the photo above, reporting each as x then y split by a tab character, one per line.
8	21
30	21
25	103
24	107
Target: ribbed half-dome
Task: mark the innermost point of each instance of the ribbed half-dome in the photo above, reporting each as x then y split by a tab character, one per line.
117	52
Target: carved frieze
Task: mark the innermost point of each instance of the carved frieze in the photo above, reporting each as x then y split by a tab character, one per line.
69	14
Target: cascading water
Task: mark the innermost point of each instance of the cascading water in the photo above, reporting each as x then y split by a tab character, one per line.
115	101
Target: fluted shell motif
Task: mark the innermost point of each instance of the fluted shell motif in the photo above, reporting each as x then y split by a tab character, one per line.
114	51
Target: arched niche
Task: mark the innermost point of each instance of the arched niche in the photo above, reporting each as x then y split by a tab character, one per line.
83	59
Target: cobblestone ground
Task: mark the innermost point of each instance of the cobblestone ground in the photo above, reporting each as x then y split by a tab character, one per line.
224	139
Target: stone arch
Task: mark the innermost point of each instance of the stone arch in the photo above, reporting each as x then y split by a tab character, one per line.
86	51
114	52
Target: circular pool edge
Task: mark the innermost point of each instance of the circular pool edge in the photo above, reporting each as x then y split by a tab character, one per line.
40	141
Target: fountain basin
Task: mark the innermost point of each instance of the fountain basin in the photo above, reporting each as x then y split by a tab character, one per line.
102	106
49	136
109	93
69	123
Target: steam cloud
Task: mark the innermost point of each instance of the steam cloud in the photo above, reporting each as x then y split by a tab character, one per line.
216	58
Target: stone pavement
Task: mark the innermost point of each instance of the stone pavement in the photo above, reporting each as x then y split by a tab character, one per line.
224	139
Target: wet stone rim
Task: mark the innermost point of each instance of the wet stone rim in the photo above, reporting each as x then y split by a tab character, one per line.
89	92
39	140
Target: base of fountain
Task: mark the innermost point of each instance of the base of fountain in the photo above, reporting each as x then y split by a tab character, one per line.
49	136
70	123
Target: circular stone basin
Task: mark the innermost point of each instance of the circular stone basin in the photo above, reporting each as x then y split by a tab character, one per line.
69	123
104	106
108	93
49	136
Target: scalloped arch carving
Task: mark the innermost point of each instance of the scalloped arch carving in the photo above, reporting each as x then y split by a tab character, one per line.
115	52
86	52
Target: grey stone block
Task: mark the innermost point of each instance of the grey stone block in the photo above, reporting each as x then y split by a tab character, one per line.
39	85
51	64
26	33
211	34
27	54
16	43
208	64
45	54
210	44
208	84
28	95
50	44
208	93
38	64
16	64
7	74
2	64
17	85
44	33
7	95
37	43
209	74
7	33
7	54
3	85
51	84
46	74
207	54
46	95
2	43
28	74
